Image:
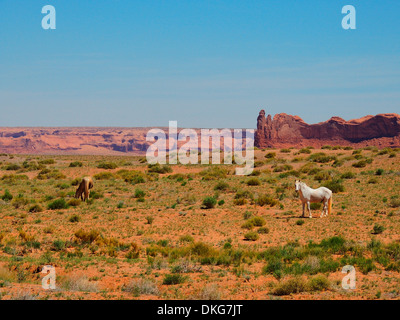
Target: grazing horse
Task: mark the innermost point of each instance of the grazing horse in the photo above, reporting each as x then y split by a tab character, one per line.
84	188
308	195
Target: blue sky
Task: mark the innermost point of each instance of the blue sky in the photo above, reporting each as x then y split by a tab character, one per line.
203	63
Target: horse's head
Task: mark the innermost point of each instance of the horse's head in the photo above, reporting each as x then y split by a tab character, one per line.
297	185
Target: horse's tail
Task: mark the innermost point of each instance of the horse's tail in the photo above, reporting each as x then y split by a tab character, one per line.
330	205
79	191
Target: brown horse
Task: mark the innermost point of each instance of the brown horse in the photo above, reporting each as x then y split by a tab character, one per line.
84	188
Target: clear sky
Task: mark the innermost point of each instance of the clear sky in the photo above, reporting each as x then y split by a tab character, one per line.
204	63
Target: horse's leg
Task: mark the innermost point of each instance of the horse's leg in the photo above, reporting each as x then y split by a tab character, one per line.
324	209
304	206
309	208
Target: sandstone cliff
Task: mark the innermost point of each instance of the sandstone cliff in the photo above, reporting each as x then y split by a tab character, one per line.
382	130
104	141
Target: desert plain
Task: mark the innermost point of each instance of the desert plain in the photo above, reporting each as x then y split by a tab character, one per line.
200	231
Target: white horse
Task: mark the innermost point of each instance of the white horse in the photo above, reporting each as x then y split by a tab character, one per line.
308	195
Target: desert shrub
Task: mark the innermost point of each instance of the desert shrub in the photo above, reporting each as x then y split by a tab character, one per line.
134	252
360	164
35	208
25	236
186	239
334	244
263	230
7	196
13	178
258	164
107	165
323	175
247	225
139	193
384	151
318	283
172	279
12	167
74	202
293	173
209	292
266	200
348	175
239	202
96	194
253	182
141	286
284	167
104	176
75	164
214	173
131	176
321	157
274	266
202	249
87	236
247	215
290	286
244	195
150	219
58	204
299	222
338	163
254	222
270	155
157	168
209	202
373	181
285	150
20	202
257	221
79	283
334	185
58	245
251	236
47	161
74	218
221	186
305	151
75	182
50	174
395	203
309	168
62	186
377	229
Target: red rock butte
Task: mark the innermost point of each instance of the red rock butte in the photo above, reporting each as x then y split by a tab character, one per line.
382	130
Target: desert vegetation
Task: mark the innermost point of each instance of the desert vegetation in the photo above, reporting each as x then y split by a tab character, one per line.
198	231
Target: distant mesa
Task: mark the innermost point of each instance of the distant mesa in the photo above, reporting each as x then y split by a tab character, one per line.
283	130
79	141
